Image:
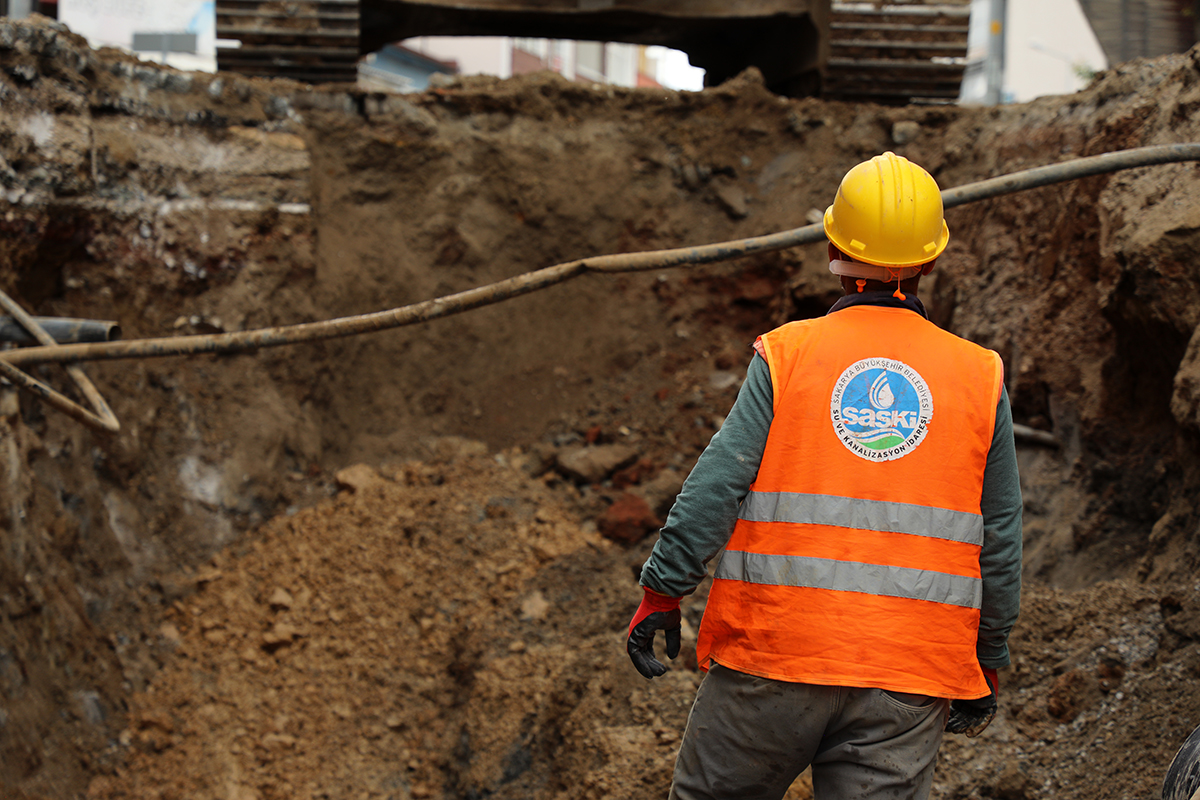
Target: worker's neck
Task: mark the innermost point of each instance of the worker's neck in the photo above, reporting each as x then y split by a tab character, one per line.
882	296
861	286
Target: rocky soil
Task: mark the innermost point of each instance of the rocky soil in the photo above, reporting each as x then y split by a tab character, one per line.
400	565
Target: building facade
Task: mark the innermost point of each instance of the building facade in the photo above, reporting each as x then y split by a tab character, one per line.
613	63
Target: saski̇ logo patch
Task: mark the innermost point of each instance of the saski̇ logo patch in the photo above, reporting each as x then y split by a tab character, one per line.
880	409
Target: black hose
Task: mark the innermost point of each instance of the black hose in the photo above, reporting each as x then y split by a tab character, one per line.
1070	171
549	276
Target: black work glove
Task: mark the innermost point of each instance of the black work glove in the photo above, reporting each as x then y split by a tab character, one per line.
972	716
656	613
1183	776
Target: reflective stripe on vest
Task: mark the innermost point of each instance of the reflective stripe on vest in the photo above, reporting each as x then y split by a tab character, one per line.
871	515
851	576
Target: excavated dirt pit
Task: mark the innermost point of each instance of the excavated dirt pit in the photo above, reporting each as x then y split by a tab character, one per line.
400	565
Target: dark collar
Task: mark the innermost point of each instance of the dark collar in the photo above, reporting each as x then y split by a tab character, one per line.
886	299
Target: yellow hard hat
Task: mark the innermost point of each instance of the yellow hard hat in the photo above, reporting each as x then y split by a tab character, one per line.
888	212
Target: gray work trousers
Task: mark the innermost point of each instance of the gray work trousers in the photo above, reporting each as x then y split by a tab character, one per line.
748	738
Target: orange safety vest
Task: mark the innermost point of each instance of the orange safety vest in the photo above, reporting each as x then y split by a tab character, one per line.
855	557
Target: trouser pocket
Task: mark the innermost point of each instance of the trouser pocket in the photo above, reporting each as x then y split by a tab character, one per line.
907	700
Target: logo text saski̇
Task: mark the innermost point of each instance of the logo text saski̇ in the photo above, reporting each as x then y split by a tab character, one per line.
879	419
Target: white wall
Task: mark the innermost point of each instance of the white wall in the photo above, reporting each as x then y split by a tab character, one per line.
1045	41
674	70
489	55
113	22
622	62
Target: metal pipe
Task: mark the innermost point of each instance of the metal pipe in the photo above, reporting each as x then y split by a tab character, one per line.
103	419
1071	170
62	330
1024	433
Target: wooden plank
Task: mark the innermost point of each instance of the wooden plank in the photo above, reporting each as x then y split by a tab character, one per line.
888	27
891	64
839	10
314	42
895	85
884	44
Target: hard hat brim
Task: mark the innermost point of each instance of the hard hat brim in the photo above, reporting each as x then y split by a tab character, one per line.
861	253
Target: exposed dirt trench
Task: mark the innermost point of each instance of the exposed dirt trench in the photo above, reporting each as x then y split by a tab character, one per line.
400	565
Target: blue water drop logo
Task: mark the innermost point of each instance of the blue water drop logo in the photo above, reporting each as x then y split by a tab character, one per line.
881	408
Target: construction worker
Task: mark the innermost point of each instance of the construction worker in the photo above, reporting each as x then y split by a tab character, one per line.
865	489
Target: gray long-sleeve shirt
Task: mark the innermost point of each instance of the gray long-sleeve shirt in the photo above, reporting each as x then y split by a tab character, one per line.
703	516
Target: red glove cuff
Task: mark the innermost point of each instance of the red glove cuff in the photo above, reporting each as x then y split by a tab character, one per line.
652	602
993	679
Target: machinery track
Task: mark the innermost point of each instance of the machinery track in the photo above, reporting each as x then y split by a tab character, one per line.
314	41
892	54
896	54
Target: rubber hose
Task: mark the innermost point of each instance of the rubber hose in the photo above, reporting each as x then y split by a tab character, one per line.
549	276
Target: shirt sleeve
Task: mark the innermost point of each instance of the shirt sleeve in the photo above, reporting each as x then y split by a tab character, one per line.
1000	559
702	518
